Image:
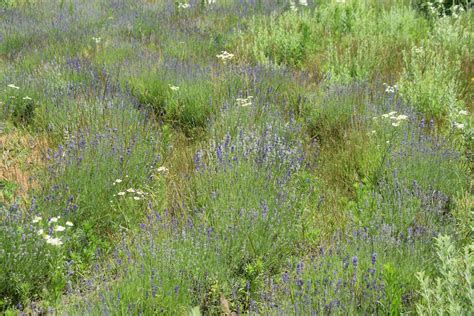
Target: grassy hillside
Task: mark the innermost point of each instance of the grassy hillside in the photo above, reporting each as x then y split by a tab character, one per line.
214	157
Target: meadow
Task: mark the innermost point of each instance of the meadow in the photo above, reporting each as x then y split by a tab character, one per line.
227	157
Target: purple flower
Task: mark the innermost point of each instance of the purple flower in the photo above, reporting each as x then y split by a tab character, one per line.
374	258
355	261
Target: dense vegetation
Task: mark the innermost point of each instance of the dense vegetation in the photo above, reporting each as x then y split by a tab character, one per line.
250	157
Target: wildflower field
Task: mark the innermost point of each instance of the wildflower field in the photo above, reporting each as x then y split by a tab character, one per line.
228	157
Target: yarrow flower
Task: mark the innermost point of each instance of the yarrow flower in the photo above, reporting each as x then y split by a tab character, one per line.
183	5
37	219
121	193
463	112
70	224
458	125
244	101
54	219
53	240
174	88
390	89
162	169
96	39
59	228
27	98
13	86
225	56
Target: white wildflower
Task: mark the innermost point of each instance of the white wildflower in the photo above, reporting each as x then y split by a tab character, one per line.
244	101
183	5
118	181
463	112
401	117
131	190
59	228
13	86
53	219
54	241
70	224
174	88
225	56
121	193
458	125
162	169
40	232
96	39
27	98
136	198
303	2
36	219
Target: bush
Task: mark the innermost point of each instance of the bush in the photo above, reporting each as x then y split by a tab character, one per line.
451	292
32	268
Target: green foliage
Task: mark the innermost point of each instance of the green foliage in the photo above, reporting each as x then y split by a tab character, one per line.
430	82
31	269
451	292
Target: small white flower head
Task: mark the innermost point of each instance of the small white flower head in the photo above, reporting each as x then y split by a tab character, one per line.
463	112
70	224
97	40
303	2
121	193
54	241
390	89
37	219
373	132
244	102
418	50
13	86
211	1
183	5
174	88
53	219
396	123
131	190
40	232
59	228
27	98
136	198
385	115
458	125
392	113
225	56
118	181
162	169
401	117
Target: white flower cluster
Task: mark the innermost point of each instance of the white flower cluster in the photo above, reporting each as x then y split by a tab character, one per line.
183	5
174	88
225	56
244	101
13	86
136	194
396	119
390	89
97	40
55	241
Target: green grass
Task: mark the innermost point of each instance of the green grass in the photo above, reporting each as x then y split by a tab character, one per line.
307	174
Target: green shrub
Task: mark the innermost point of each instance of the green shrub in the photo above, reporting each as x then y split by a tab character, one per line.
430	81
32	269
451	292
